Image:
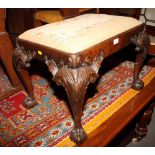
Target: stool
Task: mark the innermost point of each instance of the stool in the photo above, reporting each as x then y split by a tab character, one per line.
73	51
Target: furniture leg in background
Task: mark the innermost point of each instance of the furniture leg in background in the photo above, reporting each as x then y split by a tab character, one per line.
141	126
6	50
137	129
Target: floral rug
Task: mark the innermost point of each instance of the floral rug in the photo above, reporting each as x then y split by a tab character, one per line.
50	123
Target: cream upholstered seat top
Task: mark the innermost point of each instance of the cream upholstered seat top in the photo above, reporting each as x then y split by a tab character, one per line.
76	34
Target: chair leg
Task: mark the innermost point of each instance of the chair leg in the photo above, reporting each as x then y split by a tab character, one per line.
6	57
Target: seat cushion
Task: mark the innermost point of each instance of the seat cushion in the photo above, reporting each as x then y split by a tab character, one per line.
79	33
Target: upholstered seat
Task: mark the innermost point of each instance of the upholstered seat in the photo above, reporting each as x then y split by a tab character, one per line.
79	33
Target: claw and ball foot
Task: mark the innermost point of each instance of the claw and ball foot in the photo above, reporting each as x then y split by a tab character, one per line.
29	102
142	42
78	135
137	84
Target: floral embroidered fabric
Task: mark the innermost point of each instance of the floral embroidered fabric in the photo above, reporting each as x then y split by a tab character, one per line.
76	34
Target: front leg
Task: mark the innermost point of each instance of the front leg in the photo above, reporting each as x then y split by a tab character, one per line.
21	61
142	42
75	81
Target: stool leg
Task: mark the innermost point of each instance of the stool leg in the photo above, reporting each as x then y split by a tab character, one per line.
138	83
75	81
21	62
141	126
142	42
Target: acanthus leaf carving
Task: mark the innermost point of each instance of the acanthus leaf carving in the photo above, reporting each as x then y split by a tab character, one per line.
21	57
97	61
142	41
75	81
52	66
74	61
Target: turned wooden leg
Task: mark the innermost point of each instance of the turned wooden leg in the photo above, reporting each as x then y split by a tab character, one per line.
75	82
21	62
141	126
142	42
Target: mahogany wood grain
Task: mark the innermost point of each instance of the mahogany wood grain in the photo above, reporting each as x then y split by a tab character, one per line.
152	54
2	20
150	30
69	12
152	50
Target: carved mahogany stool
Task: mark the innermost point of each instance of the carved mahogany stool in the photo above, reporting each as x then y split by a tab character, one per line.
73	50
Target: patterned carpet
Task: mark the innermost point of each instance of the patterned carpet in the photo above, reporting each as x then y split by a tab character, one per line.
50	122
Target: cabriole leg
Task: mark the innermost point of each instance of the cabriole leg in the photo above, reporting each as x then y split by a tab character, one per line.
137	83
21	62
75	81
142	42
